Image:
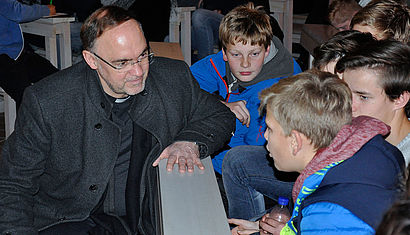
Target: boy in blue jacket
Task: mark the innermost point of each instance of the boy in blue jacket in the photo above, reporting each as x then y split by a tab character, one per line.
251	59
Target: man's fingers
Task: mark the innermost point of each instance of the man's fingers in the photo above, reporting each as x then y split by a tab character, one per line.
185	154
158	160
172	159
198	163
161	156
190	164
181	164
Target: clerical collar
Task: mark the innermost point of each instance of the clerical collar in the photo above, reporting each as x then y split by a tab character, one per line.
121	100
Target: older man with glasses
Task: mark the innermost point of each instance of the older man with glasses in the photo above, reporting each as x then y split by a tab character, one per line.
83	157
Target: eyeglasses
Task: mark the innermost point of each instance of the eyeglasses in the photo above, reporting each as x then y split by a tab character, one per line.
124	66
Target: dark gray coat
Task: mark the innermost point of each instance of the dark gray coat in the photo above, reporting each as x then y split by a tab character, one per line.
57	163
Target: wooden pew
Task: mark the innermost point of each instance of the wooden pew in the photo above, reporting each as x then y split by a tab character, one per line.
167	49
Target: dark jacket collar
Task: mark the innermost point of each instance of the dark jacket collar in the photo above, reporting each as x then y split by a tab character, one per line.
96	92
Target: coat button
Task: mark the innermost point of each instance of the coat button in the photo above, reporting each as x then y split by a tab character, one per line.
98	126
93	187
102	105
210	135
62	219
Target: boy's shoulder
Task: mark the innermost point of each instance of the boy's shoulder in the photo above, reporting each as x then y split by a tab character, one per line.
214	61
376	163
366	184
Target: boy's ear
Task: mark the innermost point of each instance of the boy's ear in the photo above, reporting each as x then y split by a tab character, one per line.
402	101
267	51
90	59
296	142
225	58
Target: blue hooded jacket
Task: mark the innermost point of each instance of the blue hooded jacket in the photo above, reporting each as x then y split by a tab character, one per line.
211	72
350	196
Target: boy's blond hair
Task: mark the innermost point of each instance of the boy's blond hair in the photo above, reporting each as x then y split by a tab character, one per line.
246	24
314	103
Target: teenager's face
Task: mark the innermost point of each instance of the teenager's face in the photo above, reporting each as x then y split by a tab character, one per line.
279	145
368	96
245	61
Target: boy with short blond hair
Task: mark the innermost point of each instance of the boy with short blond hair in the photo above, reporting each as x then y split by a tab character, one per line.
349	175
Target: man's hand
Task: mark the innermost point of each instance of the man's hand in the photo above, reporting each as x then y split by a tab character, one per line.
183	153
270	226
240	111
244	226
52	9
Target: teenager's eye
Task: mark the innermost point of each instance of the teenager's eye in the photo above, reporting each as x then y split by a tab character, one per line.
362	97
235	55
254	54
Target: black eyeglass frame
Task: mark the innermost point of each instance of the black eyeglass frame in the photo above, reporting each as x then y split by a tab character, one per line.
150	59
